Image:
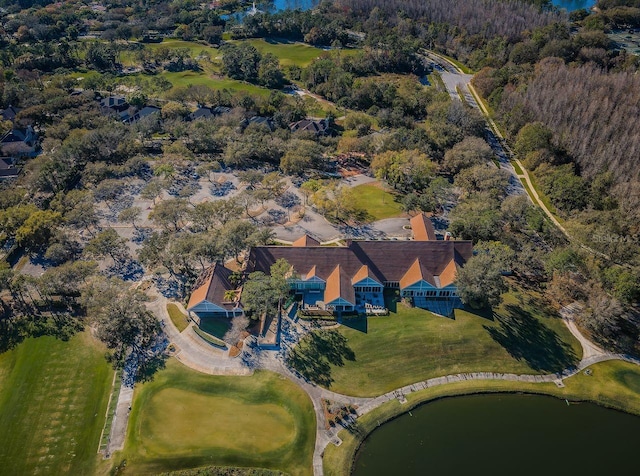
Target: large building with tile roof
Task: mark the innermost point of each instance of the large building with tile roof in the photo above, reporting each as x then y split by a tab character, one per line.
353	277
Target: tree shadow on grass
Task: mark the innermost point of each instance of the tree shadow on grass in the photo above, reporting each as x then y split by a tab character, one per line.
485	313
313	357
527	339
391	301
14	329
357	323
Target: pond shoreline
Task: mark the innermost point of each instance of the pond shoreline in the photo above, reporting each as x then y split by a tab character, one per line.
344	457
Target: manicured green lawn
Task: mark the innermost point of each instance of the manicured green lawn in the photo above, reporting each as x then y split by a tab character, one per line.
53	399
186	78
410	345
177	317
291	53
184	419
287	52
614	384
379	203
195	49
216	326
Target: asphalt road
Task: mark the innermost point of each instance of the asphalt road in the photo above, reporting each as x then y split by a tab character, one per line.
457	83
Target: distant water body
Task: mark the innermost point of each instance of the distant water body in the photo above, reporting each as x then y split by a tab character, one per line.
274	6
571	5
280	5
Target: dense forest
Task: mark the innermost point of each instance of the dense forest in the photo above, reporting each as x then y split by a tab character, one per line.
587	102
508	19
620	13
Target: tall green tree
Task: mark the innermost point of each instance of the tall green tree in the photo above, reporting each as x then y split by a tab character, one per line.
407	170
131	333
480	282
258	295
108	243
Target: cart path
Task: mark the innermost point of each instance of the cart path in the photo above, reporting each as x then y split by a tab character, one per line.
196	354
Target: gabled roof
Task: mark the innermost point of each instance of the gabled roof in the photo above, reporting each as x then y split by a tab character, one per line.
25	136
386	260
220	110
7	169
422	228
211	286
339	286
362	274
200	113
306	240
448	274
142	113
14	135
312	273
117	103
10	113
317	127
416	273
147	111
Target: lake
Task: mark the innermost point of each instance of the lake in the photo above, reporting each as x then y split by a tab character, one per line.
571	5
503	434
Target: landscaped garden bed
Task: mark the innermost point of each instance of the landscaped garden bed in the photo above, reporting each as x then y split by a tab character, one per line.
214	341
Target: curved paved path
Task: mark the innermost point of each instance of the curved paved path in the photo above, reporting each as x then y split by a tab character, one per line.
503	151
191	350
198	355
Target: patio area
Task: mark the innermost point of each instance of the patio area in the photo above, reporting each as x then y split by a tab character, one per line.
371	303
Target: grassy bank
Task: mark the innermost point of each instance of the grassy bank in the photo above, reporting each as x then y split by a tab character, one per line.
209	338
53	399
544	198
183	419
177	317
613	384
379	354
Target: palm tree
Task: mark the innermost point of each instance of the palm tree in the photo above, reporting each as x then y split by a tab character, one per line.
229	295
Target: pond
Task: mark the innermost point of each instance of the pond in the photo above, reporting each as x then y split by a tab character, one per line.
279	5
503	435
571	5
272	6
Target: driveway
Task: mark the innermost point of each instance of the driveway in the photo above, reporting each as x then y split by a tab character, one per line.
313	224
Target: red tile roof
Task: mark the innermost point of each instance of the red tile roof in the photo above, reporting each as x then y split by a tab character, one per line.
362	274
422	228
211	286
448	274
339	286
417	272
